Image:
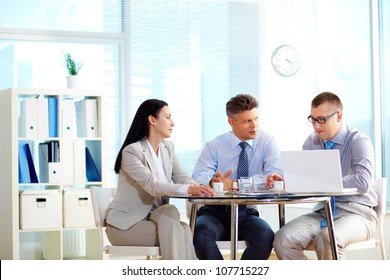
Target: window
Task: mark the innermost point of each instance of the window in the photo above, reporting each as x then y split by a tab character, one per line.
384	27
66	15
195	55
33	41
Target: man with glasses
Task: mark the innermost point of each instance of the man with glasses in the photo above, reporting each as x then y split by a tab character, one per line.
354	217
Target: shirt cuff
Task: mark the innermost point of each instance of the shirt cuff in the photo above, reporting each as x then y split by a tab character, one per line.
183	189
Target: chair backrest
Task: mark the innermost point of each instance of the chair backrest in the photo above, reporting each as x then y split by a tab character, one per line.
380	186
100	197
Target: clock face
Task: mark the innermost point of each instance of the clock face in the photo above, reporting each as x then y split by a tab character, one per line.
285	60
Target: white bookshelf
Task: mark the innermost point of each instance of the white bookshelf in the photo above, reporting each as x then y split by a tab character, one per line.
14	241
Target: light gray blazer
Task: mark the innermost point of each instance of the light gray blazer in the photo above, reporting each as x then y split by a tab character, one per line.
138	186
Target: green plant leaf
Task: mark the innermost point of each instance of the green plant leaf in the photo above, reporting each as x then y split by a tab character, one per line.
71	65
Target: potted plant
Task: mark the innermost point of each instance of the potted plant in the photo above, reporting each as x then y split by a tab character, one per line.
73	68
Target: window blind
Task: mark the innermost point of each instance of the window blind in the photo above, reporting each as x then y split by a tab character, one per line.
194	55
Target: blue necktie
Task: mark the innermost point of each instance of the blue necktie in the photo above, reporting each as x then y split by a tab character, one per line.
242	171
324	223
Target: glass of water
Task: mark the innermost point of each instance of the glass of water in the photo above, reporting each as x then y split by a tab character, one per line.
246	184
259	183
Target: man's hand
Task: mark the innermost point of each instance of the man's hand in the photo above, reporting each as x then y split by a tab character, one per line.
223	177
273	177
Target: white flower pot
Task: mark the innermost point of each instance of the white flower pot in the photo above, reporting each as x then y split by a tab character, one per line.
73	81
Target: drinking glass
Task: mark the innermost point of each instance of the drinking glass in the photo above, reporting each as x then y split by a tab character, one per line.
259	183
246	184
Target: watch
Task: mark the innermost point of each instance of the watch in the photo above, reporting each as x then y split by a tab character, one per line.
285	60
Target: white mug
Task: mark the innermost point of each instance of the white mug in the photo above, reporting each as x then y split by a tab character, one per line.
278	185
218	186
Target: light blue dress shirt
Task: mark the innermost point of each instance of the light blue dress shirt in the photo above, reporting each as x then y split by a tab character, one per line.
357	162
221	154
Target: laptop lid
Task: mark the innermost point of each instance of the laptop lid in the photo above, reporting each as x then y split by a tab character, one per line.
313	171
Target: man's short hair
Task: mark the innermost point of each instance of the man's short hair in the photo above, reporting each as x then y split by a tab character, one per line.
327	97
240	103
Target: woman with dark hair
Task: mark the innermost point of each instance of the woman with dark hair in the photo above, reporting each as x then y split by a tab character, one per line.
148	168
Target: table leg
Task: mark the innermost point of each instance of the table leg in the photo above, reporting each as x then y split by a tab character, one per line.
194	208
282	217
329	218
234	229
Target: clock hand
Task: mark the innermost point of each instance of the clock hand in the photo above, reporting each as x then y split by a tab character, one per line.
292	63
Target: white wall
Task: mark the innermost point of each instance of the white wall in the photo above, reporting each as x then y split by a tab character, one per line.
325	33
285	101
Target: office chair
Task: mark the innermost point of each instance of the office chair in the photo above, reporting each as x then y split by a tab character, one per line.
101	197
380	186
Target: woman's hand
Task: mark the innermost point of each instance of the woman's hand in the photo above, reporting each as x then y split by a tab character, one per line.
200	190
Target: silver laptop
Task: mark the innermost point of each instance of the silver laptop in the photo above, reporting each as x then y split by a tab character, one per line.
313	171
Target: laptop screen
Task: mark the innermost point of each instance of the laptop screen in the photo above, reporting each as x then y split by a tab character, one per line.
312	171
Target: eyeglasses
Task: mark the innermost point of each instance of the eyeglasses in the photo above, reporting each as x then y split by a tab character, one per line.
321	120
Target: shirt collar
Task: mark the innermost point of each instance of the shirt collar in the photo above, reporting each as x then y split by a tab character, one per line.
340	136
235	141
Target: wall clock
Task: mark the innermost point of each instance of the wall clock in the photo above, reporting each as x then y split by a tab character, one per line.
285	60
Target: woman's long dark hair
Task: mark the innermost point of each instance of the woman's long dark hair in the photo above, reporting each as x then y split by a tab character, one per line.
139	128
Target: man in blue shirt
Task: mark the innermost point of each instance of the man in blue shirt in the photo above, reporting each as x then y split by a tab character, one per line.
354	217
218	162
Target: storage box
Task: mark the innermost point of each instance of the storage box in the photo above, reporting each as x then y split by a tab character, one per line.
78	212
40	209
